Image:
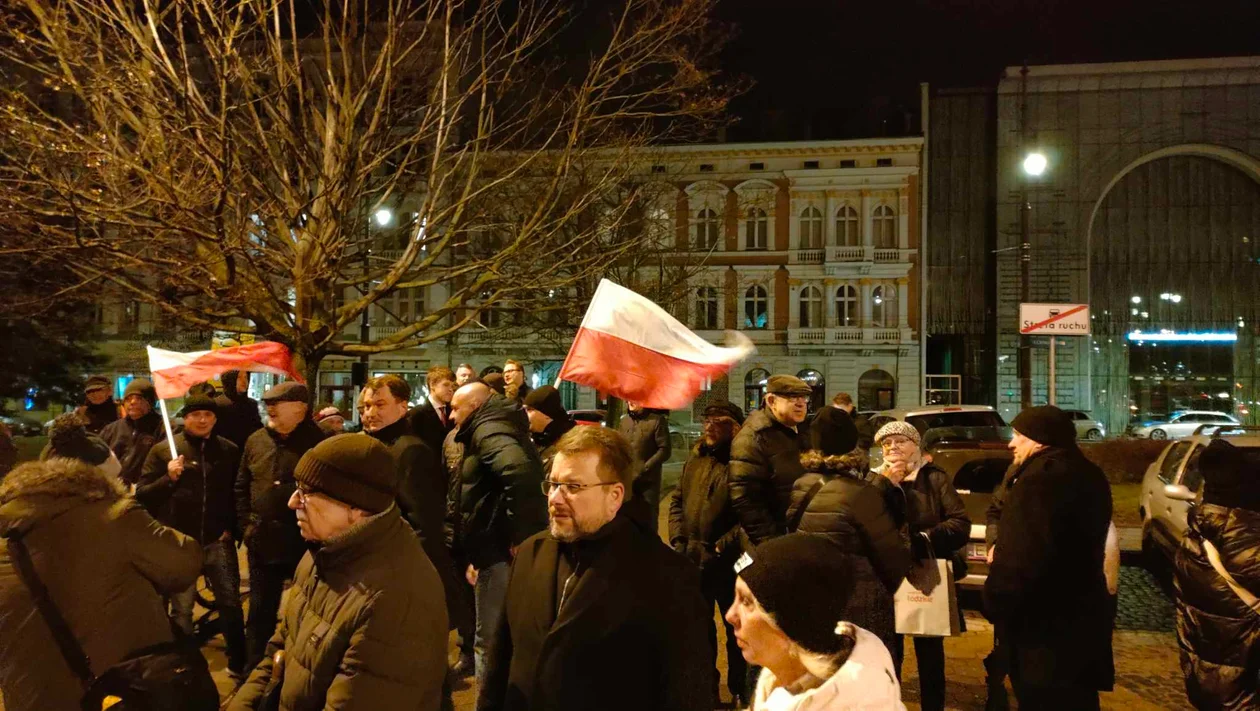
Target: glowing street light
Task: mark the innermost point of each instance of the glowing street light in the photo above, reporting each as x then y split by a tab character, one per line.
383	216
1035	164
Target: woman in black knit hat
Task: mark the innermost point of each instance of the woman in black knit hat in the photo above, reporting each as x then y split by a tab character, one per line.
788	617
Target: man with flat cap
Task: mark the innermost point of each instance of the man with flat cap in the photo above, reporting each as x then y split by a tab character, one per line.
133	436
99	407
193	494
364	626
1046	592
263	487
766	458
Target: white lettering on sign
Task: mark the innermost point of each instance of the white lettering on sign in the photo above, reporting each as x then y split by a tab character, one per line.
1054	319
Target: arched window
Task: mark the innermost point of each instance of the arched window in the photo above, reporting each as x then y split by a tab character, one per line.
878	306
755	389
756	225
877	391
848	233
708	229
885	227
846	306
818	384
811	308
756	308
706	308
811	229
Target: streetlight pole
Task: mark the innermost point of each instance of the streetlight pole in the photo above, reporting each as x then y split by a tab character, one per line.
1025	251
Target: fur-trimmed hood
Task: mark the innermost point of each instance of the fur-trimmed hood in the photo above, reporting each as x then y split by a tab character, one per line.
854	463
37	491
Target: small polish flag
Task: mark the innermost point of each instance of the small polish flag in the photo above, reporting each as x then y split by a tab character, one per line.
629	347
174	372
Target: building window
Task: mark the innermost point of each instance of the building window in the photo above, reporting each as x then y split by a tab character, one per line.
756	308
846	306
489	317
877	390
811	229
708	229
847	232
706	308
811	308
884	306
885	227
756	225
755	389
817	384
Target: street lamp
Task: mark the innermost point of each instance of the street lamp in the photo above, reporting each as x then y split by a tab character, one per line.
1035	164
383	216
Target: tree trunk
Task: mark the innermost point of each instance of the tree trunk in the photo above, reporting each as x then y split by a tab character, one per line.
308	365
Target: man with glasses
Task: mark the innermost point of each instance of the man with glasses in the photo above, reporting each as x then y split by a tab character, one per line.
703	527
766	458
514	381
365	623
600	614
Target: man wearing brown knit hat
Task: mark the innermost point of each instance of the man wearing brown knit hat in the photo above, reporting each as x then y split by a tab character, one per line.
365	623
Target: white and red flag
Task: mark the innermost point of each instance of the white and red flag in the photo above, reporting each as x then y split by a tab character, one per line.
629	347
174	372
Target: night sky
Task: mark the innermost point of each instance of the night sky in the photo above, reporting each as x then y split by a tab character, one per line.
850	68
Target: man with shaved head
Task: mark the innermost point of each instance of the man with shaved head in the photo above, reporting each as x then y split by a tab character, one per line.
501	500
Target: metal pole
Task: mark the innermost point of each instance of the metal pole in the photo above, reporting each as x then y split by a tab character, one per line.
365	323
1051	384
1025	251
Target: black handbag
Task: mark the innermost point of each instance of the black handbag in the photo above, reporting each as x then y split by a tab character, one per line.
172	676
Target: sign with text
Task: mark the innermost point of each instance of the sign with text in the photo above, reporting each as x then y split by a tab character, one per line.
1054	319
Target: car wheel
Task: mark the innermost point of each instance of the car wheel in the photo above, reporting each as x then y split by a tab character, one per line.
1159	434
1093	435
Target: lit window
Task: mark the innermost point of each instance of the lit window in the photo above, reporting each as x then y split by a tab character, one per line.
756	308
846	306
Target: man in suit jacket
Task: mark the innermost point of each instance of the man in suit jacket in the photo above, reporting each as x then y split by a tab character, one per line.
431	419
595	601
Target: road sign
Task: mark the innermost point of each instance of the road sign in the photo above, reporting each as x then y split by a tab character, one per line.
1054	319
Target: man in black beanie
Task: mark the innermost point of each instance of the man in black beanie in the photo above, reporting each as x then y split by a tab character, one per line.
364	625
704	527
548	420
1046	592
99	407
132	437
238	413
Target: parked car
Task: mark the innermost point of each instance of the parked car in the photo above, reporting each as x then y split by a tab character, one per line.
1173	484
681	439
22	426
933	416
1181	423
588	417
1087	428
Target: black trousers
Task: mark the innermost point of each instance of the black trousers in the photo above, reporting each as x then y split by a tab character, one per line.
929	653
1039	698
266	585
717	584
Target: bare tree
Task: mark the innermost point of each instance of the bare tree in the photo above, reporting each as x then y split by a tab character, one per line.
270	167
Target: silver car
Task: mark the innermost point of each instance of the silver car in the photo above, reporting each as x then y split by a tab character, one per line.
1181	423
1087	428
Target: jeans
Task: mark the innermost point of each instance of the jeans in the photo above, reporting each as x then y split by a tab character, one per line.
717	585
266	584
929	653
220	568
491	594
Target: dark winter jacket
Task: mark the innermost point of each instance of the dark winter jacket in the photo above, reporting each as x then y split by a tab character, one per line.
702	524
202	503
1046	592
427	424
501	499
648	434
545	441
98	416
933	507
855	515
238	415
364	627
106	564
765	463
631	633
453	465
263	487
1218	633
131	441
993	514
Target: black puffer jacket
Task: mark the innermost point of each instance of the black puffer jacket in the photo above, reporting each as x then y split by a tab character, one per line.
501	499
201	503
855	515
648	433
932	506
702	524
263	487
238	413
1218	634
765	463
131	441
98	416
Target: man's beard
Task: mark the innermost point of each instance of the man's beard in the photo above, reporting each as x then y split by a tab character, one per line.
576	530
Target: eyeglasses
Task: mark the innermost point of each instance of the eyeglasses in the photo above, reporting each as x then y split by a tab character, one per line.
571	490
890	443
796	399
304	493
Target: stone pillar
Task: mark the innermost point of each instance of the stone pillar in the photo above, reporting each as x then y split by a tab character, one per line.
864	302
782	299
829	221
731	215
730	300
868	231
682	221
903	302
903	219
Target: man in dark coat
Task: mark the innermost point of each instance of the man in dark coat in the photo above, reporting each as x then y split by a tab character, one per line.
704	527
238	412
431	419
193	494
133	436
99	408
1046	592
766	458
501	500
548	420
600	614
263	487
514	381
648	434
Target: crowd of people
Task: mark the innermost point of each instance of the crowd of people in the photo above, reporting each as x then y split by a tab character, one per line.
487	510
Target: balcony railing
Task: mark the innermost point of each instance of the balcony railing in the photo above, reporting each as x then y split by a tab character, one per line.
808	256
807	336
844	335
888	255
847	254
867	253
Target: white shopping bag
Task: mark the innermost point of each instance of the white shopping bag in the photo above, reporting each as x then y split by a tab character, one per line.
926	604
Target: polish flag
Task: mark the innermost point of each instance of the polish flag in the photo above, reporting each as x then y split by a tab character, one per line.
629	347
174	372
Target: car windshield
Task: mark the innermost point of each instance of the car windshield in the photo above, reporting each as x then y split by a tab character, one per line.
975	418
939	435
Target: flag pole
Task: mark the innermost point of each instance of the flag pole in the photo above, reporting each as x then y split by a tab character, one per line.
166	422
